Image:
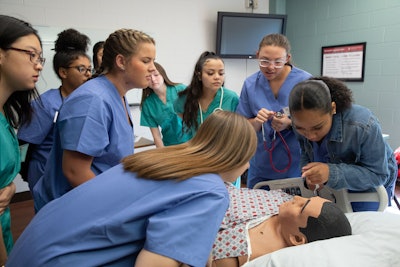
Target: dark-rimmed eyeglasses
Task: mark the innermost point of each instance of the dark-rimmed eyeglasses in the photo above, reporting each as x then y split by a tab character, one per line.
34	57
278	64
81	69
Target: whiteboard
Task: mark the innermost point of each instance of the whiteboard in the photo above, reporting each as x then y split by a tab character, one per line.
49	79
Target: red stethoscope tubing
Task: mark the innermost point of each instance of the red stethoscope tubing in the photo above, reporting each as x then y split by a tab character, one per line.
270	150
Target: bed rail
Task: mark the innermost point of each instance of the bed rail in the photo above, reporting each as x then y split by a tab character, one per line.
343	198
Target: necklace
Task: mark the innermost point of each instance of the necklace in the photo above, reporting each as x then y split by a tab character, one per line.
218	108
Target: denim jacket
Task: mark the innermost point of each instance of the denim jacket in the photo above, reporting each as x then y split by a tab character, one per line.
359	158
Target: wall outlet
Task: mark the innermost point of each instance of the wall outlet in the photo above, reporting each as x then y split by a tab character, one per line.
251	4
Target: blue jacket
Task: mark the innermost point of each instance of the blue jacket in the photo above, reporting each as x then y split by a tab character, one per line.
359	158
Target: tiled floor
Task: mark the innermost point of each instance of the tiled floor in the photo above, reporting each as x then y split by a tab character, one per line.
21	214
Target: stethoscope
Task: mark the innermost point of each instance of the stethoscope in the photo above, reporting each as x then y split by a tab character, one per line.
221	98
270	150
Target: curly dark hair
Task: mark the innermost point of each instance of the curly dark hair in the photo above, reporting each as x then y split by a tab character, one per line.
318	93
69	46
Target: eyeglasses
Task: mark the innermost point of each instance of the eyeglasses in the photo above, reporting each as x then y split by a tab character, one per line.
34	57
82	69
278	64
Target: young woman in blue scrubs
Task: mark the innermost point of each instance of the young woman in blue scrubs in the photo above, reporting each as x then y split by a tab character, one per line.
160	207
205	93
342	144
72	66
264	101
157	109
21	62
94	128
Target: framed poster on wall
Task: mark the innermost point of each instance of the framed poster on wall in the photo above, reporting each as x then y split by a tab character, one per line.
345	62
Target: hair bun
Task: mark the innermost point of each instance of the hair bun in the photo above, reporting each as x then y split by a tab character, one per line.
70	40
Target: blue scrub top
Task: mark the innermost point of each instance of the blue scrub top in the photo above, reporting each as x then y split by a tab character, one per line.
155	114
230	101
39	132
109	219
255	95
92	121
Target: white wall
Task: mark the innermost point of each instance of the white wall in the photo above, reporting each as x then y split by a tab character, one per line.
182	29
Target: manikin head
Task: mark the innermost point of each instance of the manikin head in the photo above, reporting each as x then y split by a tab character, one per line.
305	220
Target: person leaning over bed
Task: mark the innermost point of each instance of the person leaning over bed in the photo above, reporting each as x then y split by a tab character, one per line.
163	209
342	144
273	220
263	95
94	128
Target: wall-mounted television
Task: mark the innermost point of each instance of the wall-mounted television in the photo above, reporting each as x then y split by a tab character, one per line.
239	34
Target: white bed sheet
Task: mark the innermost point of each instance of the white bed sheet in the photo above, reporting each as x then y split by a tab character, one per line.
375	243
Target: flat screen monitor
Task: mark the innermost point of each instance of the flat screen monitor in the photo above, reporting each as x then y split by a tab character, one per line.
239	34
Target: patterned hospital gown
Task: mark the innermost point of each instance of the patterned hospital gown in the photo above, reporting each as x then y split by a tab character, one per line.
248	208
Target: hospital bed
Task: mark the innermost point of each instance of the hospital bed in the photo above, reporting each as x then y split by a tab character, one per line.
374	242
343	198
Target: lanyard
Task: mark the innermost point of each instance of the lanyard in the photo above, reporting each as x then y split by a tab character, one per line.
270	150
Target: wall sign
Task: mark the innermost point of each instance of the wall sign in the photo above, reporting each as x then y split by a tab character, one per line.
345	62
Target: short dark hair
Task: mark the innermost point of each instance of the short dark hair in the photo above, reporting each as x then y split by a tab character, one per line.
69	46
332	222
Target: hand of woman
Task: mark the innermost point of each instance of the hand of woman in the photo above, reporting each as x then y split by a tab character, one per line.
315	173
281	123
6	195
263	115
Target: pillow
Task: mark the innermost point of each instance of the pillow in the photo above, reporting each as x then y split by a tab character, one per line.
375	242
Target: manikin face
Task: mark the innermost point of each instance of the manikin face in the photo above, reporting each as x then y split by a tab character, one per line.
17	70
312	124
213	75
294	214
156	80
272	54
